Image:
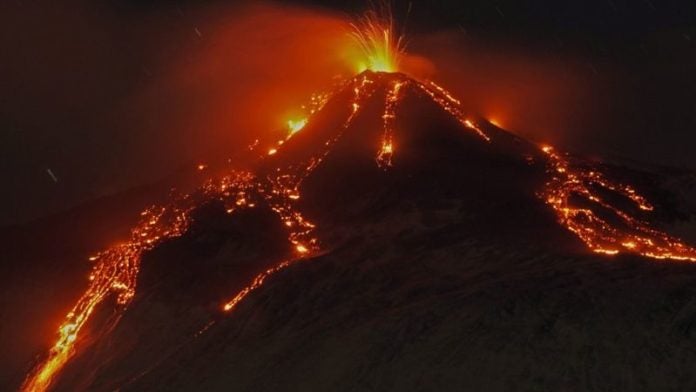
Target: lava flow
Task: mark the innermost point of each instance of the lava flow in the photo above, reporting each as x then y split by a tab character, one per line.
115	273
599	234
116	270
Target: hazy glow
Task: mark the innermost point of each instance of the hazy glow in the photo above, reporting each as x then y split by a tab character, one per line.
296	125
381	46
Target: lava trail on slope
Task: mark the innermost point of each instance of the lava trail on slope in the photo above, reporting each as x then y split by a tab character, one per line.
380	138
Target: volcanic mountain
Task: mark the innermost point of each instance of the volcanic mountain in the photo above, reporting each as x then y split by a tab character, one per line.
395	243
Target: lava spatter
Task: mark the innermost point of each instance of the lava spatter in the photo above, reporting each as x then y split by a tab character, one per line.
381	45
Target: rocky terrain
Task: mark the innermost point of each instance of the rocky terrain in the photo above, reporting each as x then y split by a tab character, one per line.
445	272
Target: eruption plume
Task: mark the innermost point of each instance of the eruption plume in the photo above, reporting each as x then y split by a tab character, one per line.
382	46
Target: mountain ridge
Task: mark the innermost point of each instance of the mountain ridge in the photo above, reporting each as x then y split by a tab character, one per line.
363	176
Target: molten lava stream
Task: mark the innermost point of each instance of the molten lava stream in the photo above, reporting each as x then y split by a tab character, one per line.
116	269
598	234
285	184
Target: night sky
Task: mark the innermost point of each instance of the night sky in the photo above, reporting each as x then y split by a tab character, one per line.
109	95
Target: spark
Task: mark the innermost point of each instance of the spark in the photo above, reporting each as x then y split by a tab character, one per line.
114	274
376	37
53	176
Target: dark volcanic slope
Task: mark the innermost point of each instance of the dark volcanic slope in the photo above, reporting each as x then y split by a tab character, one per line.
422	299
445	272
419	302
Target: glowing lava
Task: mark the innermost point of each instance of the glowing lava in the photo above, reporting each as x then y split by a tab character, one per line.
285	186
296	125
115	272
451	105
569	181
384	157
381	46
114	275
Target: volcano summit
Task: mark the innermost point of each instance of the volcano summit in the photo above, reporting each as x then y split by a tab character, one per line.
390	241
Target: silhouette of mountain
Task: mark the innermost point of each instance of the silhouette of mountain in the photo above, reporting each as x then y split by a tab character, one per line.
399	244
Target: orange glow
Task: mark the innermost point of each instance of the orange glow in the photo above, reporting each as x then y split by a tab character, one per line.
569	180
201	167
381	46
296	125
115	270
387	149
287	184
629	244
609	252
451	105
255	284
384	156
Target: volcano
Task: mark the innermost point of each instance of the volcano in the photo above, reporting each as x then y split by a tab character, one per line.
394	242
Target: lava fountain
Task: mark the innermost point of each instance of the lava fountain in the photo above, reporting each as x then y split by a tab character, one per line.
381	46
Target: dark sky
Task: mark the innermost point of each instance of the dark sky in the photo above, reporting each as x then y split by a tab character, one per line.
101	92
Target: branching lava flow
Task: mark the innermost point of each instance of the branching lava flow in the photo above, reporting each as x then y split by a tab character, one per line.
115	272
